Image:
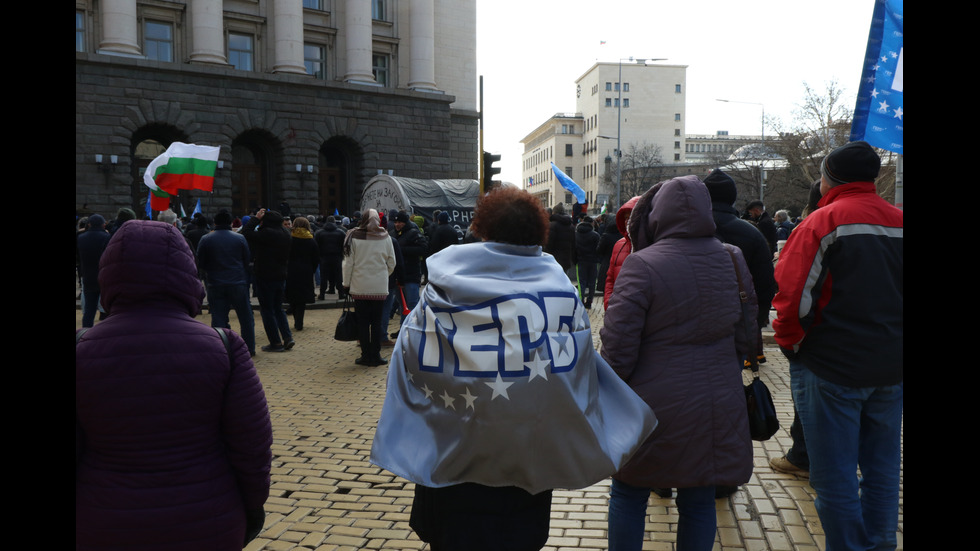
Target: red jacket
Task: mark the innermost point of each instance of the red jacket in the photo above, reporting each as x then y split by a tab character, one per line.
620	250
840	301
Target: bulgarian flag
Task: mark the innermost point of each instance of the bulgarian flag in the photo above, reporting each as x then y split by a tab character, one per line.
181	166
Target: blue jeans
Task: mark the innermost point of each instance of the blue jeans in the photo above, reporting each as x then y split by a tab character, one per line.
389	303
847	428
270	293
411	296
696	525
221	299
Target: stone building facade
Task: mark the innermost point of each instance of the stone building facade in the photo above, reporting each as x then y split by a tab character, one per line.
308	99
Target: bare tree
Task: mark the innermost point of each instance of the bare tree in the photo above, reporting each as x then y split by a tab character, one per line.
642	166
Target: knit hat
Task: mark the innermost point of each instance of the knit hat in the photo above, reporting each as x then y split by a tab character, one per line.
853	162
443	217
402	216
223	218
721	187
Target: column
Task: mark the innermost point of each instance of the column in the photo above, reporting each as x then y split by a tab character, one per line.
422	68
359	45
288	36
119	30
207	32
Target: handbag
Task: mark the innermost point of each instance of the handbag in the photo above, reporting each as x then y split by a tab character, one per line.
347	324
763	422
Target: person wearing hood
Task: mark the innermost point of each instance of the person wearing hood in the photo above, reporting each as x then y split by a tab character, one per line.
675	332
620	250
172	431
269	242
587	265
369	258
304	257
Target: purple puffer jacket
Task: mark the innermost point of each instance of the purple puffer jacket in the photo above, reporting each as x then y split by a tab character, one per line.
674	331
172	440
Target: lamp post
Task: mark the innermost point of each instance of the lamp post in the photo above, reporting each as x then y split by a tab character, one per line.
762	148
619	124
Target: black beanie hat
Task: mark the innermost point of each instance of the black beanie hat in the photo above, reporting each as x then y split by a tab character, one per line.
721	187
223	218
402	216
853	162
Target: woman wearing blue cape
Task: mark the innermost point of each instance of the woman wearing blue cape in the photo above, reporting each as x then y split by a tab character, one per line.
495	393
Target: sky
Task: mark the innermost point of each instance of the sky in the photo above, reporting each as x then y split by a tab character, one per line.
530	52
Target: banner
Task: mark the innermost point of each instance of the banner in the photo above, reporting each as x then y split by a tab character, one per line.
878	114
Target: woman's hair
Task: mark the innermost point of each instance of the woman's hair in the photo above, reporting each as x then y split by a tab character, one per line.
300	222
510	215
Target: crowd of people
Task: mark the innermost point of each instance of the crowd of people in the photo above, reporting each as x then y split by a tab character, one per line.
493	365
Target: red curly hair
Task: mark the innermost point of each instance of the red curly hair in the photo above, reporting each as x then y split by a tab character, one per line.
510	215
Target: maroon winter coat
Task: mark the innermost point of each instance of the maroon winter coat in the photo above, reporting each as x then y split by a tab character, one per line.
172	437
670	332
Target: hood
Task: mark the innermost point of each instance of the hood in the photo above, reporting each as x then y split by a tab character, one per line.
562	219
678	208
584	227
148	263
623	215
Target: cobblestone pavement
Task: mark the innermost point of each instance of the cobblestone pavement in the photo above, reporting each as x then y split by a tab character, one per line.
326	496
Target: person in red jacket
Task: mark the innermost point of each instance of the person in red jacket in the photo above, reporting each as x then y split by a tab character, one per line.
620	251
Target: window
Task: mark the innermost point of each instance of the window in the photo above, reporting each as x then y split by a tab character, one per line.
677	145
571	129
616	102
617	86
677	88
564	129
608	102
313	4
378	10
677	131
240	51
568	150
609	87
677	117
568	171
677	156
379	66
626	87
314	59
79	31
158	41
626	102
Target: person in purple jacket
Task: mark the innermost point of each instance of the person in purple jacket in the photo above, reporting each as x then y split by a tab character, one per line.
172	431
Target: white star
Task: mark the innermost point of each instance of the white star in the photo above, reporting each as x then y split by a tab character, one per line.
898	114
499	388
883	107
893	54
428	393
538	367
874	92
469	399
411	376
448	399
884	59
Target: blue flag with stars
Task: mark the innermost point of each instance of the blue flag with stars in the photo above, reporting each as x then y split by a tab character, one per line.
878	114
495	380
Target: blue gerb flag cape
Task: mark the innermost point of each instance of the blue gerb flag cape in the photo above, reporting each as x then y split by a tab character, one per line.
495	380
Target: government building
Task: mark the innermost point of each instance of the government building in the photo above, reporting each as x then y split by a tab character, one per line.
307	99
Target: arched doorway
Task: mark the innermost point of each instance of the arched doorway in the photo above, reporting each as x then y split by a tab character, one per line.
147	144
337	159
251	173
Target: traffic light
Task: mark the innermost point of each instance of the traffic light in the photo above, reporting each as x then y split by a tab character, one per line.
489	171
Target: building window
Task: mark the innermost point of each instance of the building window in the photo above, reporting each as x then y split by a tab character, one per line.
313	4
626	87
609	87
571	129
568	150
378	10
568	171
158	41
677	156
677	145
314	57
677	117
626	102
380	69
617	86
608	102
79	31
677	88
564	129
240	51
677	131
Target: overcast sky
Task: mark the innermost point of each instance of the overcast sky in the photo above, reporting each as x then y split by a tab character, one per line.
530	52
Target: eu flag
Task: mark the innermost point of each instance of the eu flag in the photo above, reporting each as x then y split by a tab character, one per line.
878	114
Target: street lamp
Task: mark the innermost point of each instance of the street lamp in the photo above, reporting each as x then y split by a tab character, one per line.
762	149
619	124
